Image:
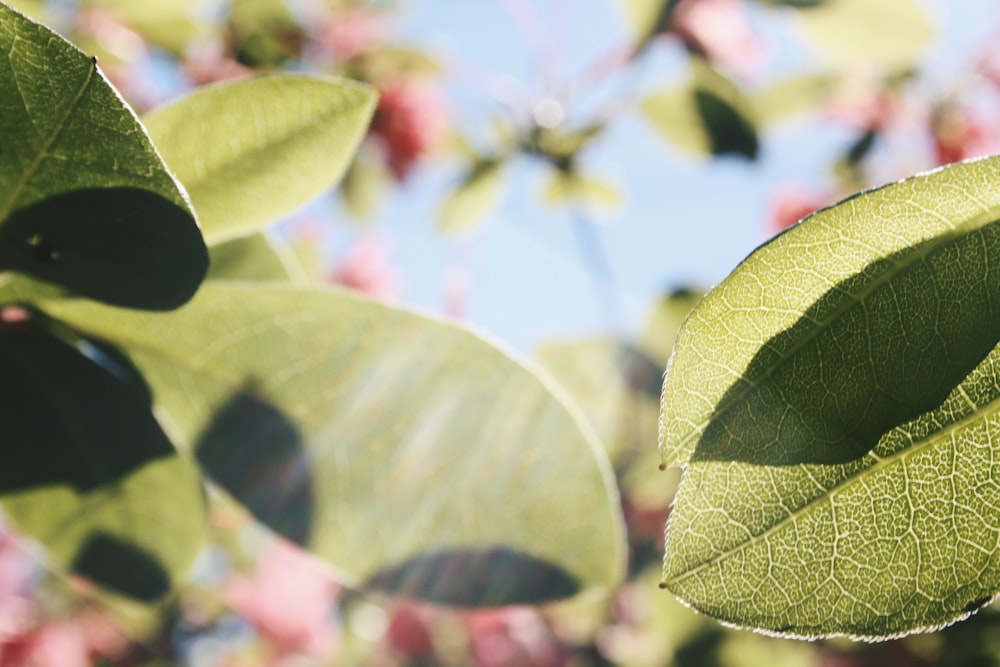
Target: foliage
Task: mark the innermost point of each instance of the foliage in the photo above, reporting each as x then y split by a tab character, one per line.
183	384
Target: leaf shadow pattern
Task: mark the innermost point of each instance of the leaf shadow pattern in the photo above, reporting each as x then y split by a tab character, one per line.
120	245
121	566
255	452
729	133
489	577
875	351
77	414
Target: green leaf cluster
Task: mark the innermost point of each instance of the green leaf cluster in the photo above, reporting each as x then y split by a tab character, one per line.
155	341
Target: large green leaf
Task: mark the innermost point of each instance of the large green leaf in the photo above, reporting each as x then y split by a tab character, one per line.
252	151
839	479
416	457
888	33
707	115
85	201
85	468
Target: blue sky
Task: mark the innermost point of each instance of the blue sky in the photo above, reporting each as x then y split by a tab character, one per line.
685	221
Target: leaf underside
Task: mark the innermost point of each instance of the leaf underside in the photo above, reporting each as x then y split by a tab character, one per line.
834	401
380	440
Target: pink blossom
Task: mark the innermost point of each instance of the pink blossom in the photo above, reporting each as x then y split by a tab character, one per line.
790	203
720	30
289	601
959	134
351	32
511	637
75	640
409	633
365	268
410	121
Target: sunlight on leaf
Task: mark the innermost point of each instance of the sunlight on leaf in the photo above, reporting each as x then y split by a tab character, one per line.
834	451
411	432
708	115
892	34
85	200
86	469
252	151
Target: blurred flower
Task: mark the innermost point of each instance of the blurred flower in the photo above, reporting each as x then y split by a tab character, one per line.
959	133
646	524
719	29
789	204
511	637
289	601
351	32
411	121
408	633
365	268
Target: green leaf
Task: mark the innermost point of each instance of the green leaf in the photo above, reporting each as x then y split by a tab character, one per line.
264	33
595	372
86	469
792	96
647	18
252	151
576	188
385	63
891	34
169	25
365	184
709	115
474	197
413	455
85	201
839	476
248	258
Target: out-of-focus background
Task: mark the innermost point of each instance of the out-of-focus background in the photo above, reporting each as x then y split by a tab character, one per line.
566	177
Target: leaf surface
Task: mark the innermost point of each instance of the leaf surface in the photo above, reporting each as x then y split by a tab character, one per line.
840	476
892	34
474	198
85	201
707	115
413	455
252	151
86	469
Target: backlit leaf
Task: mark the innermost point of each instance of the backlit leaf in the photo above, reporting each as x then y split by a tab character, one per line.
889	33
707	115
252	151
413	455
474	197
840	474
86	469
248	258
85	201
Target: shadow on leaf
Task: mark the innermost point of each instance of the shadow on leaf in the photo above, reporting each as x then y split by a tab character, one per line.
875	351
255	452
122	567
476	578
124	246
75	412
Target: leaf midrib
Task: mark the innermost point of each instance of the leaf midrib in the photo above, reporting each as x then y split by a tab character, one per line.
880	463
43	152
931	246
